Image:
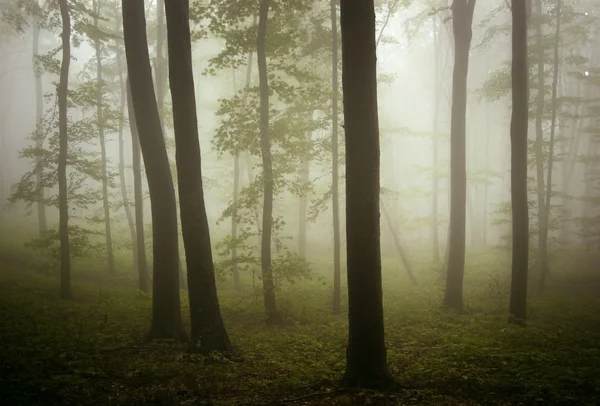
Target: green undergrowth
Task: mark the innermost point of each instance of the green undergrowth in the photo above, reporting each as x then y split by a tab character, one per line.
91	351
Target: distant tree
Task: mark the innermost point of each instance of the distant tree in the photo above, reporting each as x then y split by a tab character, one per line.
166	311
100	127
518	136
462	19
366	360
208	331
267	161
63	204
335	177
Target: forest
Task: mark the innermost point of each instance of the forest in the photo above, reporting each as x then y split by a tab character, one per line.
299	202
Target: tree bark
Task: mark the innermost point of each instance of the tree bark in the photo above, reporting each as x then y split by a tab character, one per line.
39	112
123	183
63	203
138	196
208	330
166	311
100	128
303	203
462	15
399	248
335	176
518	137
366	359
435	236
273	316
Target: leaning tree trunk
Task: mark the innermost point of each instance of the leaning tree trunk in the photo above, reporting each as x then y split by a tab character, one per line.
100	127
208	330
335	176
267	161
462	15
138	197
63	204
544	270
435	178
166	311
124	195
366	359
39	136
518	137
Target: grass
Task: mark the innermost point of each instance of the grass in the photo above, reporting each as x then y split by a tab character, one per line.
91	351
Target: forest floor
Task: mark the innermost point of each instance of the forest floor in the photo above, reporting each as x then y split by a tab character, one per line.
91	351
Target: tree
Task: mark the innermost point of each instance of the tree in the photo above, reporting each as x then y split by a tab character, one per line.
335	181
101	130
166	311
518	137
142	261
208	330
63	205
462	19
267	161
366	360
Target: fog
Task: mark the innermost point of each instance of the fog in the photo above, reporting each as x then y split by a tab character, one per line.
418	70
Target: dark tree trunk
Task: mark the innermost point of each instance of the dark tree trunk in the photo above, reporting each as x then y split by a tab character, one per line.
366	359
335	177
63	203
138	196
518	137
39	112
208	330
539	143
265	149
123	183
166	311
303	203
545	268
100	127
462	15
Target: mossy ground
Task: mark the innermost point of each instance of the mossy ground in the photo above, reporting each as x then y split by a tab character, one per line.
91	351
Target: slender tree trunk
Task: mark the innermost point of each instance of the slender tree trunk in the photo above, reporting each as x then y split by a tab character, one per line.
142	261
100	127
335	177
539	142
484	231
166	311
39	139
63	203
399	248
518	137
462	15
124	195
545	269
366	358
303	203
435	236
265	149
208	330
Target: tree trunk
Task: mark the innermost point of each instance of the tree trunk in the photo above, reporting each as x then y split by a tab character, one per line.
547	203
63	203
399	248
335	177
142	261
208	330
100	125
267	161
303	202
166	311
484	221
122	180
462	15
518	137
435	236
539	144
39	139
366	359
